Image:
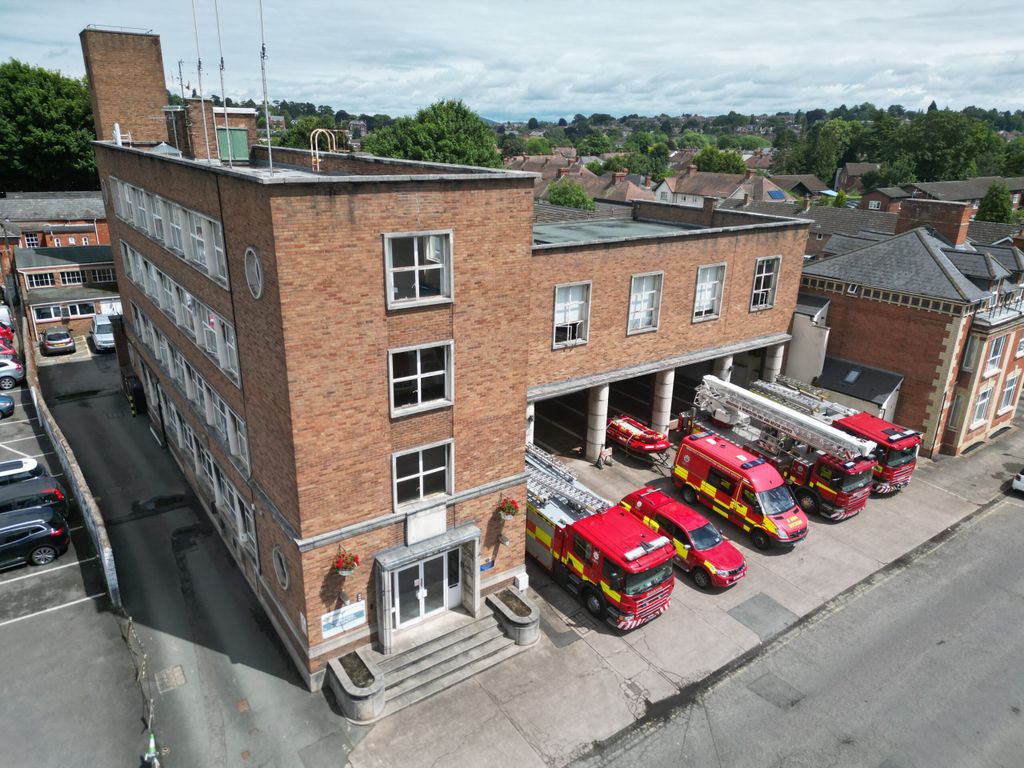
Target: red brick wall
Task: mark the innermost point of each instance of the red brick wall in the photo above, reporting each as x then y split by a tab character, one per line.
610	268
949	219
126	79
884	201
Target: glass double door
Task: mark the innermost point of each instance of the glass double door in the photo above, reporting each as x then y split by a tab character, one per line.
426	587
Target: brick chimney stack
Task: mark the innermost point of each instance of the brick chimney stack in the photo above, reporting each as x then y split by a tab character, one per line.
949	219
620	176
563	172
709	210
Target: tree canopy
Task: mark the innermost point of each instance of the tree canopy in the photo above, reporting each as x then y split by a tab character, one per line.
298	134
996	205
714	160
570	193
445	132
46	127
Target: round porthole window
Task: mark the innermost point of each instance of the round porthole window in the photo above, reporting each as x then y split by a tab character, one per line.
253	272
280	567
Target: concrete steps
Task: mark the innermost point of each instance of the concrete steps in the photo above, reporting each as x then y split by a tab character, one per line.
438	664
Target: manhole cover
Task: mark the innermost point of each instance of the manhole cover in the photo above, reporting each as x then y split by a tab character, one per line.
170	678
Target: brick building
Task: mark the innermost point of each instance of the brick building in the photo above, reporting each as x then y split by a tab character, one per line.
371	390
945	314
51	220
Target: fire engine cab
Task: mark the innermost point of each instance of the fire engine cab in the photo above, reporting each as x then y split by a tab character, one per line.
741	487
618	567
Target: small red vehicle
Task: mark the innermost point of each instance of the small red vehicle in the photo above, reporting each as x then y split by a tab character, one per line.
709	558
634	436
6	334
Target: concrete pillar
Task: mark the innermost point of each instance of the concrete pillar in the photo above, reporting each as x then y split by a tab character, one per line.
661	407
531	416
597	421
773	362
722	367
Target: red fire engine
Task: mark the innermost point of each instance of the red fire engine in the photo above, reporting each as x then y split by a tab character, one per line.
830	470
896	451
741	487
619	568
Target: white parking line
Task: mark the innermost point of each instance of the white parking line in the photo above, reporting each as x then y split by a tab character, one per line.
54	608
48	570
13	450
19	439
19	421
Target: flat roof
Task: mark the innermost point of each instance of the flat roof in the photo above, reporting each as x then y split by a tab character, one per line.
599	230
72	255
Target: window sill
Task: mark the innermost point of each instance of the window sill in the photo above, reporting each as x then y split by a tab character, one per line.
570	344
400	304
1004	411
422	505
977	425
412	410
706	319
641	331
990	373
762	308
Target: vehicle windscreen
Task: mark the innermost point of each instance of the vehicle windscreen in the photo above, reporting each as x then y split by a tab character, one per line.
776	501
58	336
636	583
897	458
851	483
705	537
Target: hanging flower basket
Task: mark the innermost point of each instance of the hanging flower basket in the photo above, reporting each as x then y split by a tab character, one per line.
346	563
507	508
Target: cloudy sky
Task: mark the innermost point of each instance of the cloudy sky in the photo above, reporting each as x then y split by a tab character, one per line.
513	60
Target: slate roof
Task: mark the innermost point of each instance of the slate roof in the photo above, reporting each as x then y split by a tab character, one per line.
1009	256
956	191
827	220
69	294
811	183
859	169
52	206
73	256
990	231
608	187
810	304
872	385
893	193
980	265
841	243
913	262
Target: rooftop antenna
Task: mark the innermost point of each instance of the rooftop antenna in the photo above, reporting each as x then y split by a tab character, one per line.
224	95
199	70
266	107
181	81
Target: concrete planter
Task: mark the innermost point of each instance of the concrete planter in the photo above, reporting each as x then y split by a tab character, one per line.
358	685
519	618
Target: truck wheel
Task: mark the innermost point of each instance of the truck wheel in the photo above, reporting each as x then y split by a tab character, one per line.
808	502
701	577
689	495
595	603
761	540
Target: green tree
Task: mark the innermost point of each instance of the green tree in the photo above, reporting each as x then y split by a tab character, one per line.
596	143
1013	162
828	145
893	173
511	145
45	128
569	193
714	160
996	205
596	167
298	134
445	132
693	140
946	145
839	201
532	124
538	146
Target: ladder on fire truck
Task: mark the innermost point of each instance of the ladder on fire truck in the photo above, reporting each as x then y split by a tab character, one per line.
714	393
546	476
803	398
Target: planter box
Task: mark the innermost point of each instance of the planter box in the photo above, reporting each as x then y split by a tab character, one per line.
519	618
358	685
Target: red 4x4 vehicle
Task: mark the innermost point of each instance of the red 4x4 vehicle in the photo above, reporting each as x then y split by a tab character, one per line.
700	549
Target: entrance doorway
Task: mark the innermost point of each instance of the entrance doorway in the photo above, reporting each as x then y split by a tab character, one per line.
427	587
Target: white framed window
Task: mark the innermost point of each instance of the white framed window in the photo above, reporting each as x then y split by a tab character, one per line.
208	324
981	407
572	314
81	310
167	294
141	211
197	239
874	205
418	267
1020	346
1009	392
995	355
40	280
31	240
707	303
107	275
227	349
421	377
175	218
422	473
970	348
71	239
85	239
185	311
954	412
238	438
47	313
156	211
644	302
766	277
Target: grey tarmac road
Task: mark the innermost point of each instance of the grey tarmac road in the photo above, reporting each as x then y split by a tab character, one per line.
920	667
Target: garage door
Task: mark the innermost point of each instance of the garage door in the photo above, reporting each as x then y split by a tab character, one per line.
110	307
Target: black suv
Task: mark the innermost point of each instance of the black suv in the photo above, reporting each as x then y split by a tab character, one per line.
37	535
41	491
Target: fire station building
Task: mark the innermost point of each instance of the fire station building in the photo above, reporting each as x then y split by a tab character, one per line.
350	360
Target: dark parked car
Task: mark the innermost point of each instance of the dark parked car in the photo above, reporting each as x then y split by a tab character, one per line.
37	535
41	491
6	405
57	341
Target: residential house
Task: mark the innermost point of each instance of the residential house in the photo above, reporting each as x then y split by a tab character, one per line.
946	315
51	220
801	185
66	286
618	187
693	187
469	323
966	191
848	177
883	199
758	161
550	168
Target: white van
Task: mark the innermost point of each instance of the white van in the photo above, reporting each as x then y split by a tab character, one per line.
102	333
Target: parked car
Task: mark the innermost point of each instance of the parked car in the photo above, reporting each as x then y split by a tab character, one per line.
42	491
709	558
1018	481
11	372
16	470
58	341
37	535
6	333
6	405
102	333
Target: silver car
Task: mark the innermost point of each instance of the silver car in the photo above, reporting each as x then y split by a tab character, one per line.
102	333
11	373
